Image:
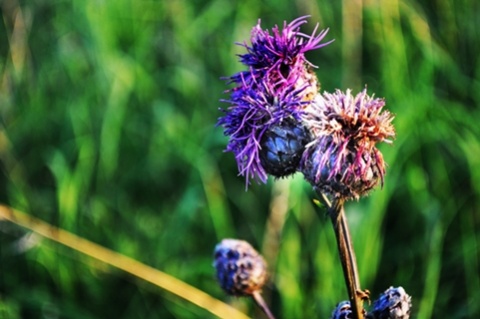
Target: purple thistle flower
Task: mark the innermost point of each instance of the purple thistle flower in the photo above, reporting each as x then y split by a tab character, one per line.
277	87
280	55
342	160
250	115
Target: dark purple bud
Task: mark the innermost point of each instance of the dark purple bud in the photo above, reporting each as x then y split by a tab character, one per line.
240	269
282	146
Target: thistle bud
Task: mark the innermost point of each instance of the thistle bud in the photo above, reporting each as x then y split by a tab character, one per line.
394	303
282	146
241	270
343	310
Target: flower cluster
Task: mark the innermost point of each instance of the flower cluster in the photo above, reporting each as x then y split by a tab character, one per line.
279	123
270	97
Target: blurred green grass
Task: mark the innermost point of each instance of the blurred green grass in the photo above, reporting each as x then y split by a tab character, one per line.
107	130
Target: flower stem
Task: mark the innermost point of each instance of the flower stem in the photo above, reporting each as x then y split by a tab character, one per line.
262	304
347	257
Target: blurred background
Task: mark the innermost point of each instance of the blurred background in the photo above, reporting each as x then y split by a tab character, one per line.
107	130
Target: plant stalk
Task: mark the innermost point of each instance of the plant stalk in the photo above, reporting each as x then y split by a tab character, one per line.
262	304
347	257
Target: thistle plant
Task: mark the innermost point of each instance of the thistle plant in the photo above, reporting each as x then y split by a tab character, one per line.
279	123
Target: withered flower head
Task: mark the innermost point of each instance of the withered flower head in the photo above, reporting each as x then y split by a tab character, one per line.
342	160
241	270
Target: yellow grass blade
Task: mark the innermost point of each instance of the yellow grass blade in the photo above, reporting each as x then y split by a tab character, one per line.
132	266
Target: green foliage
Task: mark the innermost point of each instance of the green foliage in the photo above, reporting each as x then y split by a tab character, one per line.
107	113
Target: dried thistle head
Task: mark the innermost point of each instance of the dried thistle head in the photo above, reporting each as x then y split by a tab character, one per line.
342	160
241	270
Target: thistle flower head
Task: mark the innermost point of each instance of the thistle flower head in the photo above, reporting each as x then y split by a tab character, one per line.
342	160
394	303
276	87
280	54
241	270
250	115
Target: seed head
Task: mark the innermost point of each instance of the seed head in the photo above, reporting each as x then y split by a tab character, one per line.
241	270
342	160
